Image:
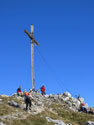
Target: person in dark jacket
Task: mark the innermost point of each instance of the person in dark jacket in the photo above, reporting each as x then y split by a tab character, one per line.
28	100
91	111
83	108
43	90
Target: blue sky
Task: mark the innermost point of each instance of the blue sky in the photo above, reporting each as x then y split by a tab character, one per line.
64	60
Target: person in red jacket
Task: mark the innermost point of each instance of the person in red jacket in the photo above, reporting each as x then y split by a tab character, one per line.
43	90
19	91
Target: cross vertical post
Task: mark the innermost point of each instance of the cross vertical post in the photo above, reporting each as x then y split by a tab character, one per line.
32	58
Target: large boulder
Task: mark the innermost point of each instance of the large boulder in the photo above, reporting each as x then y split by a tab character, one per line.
67	94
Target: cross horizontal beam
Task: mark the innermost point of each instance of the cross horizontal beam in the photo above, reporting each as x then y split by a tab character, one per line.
30	35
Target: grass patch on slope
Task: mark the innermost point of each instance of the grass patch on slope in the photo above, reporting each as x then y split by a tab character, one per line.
38	119
6	109
68	116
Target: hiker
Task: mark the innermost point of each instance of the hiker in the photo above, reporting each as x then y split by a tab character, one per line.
19	93
78	97
30	91
37	91
91	111
33	90
83	108
43	90
24	92
28	100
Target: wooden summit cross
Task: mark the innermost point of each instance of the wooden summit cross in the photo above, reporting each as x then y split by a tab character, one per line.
31	36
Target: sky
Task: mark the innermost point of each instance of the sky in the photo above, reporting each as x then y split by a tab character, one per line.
64	59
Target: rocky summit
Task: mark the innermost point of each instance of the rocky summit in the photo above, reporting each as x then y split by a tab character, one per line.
60	109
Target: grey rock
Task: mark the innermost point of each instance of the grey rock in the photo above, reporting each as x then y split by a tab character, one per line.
81	100
1	100
89	123
56	97
67	94
13	103
20	98
69	103
66	98
60	98
22	106
1	123
39	103
47	96
76	102
57	122
73	109
4	96
51	96
14	95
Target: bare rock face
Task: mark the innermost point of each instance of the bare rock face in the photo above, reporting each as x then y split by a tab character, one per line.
90	123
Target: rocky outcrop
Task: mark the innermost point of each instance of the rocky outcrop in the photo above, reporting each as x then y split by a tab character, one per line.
40	101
